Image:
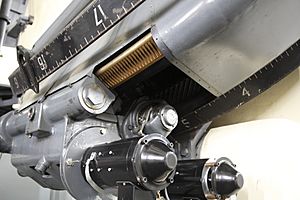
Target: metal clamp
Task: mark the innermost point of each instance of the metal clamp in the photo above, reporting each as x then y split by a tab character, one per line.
26	68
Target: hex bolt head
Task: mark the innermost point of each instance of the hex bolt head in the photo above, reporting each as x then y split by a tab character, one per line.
184	152
94	96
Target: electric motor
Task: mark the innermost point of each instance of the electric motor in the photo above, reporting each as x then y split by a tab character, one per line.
205	179
148	162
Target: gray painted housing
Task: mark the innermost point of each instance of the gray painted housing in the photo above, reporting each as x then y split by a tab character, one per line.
218	43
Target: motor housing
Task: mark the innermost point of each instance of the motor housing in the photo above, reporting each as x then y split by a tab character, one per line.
147	162
203	179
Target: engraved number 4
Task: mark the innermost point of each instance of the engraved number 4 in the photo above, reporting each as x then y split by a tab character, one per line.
97	20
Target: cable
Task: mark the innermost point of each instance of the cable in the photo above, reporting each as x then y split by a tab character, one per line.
166	194
103	195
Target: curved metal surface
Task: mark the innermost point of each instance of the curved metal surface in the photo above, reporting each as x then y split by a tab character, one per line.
260	34
217	43
74	149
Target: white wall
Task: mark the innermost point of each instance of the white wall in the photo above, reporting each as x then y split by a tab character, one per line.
44	12
8	63
265	152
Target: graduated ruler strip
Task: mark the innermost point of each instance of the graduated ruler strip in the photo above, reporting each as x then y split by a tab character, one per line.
99	17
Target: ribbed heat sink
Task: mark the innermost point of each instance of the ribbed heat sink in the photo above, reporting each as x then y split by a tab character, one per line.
131	62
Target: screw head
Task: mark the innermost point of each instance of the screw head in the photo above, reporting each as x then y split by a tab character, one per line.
144	179
171	180
145	142
184	152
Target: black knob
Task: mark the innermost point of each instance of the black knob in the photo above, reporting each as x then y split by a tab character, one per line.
157	161
226	181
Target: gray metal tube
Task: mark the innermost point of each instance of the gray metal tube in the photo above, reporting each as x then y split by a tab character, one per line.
4	19
5	138
197	21
65	104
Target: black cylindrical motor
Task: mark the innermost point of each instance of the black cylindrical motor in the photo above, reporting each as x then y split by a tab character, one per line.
148	162
205	179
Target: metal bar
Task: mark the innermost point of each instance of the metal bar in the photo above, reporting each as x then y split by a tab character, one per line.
4	19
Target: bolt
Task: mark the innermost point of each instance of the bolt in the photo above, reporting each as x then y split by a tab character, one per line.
171	180
109	169
94	96
145	142
42	166
184	152
170	117
144	179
